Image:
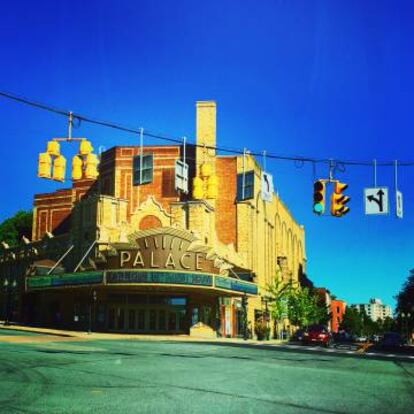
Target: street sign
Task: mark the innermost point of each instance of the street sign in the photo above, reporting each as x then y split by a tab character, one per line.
399	204
376	200
267	187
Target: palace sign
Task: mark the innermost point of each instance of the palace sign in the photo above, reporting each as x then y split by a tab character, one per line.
161	252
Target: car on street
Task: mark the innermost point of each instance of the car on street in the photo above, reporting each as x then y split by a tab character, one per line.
360	338
298	335
317	334
391	340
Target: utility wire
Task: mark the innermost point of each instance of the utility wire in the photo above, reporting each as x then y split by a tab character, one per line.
120	127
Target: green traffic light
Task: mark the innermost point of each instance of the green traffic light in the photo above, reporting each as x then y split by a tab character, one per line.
318	208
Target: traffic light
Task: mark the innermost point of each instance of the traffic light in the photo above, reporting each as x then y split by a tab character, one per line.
85	147
44	165
319	197
212	187
59	168
338	200
91	166
77	165
198	188
53	148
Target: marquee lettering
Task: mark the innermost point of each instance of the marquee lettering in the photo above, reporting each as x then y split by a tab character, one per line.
125	257
183	265
170	261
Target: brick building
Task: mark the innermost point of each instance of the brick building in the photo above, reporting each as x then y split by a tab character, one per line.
132	252
338	308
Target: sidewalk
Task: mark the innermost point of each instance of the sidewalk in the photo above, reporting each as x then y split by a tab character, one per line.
138	337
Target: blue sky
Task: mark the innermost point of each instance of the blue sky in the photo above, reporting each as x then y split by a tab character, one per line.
327	79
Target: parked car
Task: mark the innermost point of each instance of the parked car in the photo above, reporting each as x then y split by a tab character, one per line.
318	334
391	340
375	338
342	337
298	335
360	338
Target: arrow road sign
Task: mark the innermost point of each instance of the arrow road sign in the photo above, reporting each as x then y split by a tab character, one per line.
376	200
399	204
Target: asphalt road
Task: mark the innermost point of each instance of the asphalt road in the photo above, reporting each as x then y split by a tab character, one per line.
63	375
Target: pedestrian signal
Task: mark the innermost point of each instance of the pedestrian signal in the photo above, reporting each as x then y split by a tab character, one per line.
338	200
319	197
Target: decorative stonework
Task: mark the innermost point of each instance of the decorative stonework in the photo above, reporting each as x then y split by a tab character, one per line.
150	207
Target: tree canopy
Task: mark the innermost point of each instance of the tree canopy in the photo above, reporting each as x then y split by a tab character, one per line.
14	228
300	305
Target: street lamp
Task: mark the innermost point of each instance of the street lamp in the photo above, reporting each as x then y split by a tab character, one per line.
404	319
92	303
8	303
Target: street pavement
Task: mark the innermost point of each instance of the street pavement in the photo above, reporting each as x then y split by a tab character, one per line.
55	374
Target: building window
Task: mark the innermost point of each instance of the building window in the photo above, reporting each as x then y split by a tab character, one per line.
245	186
146	175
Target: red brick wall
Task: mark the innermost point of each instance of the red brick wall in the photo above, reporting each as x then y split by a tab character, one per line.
226	212
162	187
53	209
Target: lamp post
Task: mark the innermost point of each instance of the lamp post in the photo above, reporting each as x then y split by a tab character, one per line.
8	288
92	303
244	307
404	322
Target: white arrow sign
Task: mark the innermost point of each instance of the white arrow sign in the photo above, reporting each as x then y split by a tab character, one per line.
399	204
376	200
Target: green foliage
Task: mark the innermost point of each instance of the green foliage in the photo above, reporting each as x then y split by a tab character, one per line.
405	304
14	228
305	309
300	305
359	323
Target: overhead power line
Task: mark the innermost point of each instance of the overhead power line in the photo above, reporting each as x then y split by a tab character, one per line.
109	124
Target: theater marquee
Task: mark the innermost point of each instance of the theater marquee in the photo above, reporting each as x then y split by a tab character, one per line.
163	252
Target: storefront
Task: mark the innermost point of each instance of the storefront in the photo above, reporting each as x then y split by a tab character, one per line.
159	283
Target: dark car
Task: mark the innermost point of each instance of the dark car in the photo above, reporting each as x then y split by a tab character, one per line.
391	340
298	335
318	334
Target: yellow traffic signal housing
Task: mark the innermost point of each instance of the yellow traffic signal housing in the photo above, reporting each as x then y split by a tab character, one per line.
212	187
206	170
319	197
198	188
85	147
91	166
59	168
44	165
77	165
53	148
338	200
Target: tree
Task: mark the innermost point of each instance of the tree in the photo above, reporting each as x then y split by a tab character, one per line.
278	295
14	228
352	321
405	304
300	305
304	308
